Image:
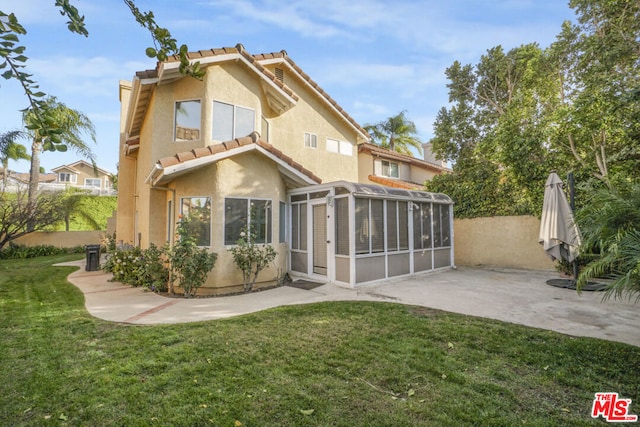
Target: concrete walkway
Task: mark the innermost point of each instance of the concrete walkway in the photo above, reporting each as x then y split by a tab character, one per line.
516	296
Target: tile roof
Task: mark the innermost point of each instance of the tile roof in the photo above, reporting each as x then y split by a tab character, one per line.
228	146
374	149
283	55
256	61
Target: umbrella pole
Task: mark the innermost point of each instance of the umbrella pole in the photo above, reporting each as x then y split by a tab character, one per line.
572	204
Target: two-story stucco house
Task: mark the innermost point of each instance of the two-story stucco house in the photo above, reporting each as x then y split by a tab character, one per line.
378	165
82	174
258	141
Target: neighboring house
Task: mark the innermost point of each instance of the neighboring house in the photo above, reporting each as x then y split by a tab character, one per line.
254	141
381	166
80	174
83	175
19	181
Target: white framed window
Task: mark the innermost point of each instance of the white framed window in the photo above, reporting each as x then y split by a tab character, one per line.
310	140
341	147
231	121
240	212
196	217
187	120
92	182
67	177
333	145
390	169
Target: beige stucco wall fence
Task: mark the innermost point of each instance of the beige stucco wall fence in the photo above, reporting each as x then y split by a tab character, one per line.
510	241
506	241
61	239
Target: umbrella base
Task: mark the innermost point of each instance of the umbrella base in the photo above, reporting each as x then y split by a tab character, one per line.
571	284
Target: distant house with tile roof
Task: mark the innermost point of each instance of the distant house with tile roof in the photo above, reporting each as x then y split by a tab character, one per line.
250	143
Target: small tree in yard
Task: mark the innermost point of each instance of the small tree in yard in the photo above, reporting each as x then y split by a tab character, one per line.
15	215
189	264
251	258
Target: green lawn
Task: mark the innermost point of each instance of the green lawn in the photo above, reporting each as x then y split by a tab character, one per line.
328	364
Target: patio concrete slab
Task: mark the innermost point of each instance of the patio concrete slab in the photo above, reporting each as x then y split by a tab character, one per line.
510	295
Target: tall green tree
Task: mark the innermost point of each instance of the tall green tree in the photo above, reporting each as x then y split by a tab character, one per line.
494	132
397	133
10	149
71	126
597	61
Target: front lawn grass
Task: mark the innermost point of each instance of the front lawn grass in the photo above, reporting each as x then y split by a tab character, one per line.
328	364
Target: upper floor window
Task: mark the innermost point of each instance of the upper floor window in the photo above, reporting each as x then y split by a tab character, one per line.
342	147
390	169
231	121
187	124
67	177
310	140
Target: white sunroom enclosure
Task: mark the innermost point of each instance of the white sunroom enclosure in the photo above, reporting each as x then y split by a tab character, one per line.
350	234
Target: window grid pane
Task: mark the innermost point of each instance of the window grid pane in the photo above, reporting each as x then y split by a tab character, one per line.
377	225
244	122
197	212
235	219
403	226
342	225
362	226
392	226
222	121
187	120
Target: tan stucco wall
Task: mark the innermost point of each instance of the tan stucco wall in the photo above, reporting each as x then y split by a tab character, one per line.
61	239
510	241
248	175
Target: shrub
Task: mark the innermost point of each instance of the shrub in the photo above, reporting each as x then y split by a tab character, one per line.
189	264
251	258
13	251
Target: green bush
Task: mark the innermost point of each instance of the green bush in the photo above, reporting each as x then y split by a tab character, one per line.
185	265
189	264
251	258
13	251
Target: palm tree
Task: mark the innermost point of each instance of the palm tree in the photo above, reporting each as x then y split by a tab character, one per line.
397	133
69	125
610	226
11	150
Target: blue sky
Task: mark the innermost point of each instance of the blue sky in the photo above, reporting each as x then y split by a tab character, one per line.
374	59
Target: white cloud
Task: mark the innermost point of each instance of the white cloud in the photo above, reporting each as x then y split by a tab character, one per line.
96	76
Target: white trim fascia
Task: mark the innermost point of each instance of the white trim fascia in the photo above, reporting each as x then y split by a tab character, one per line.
171	68
296	173
366	137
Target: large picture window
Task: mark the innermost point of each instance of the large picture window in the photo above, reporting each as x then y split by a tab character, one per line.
187	120
231	121
240	213
196	217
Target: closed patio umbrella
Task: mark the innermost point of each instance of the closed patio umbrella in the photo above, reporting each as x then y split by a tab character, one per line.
559	235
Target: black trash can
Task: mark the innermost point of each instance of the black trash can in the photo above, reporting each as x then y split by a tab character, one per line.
93	257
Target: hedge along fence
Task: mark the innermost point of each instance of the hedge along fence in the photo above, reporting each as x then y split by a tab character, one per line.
61	239
504	241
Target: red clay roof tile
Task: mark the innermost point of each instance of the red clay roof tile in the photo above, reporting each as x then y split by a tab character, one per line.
230	145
